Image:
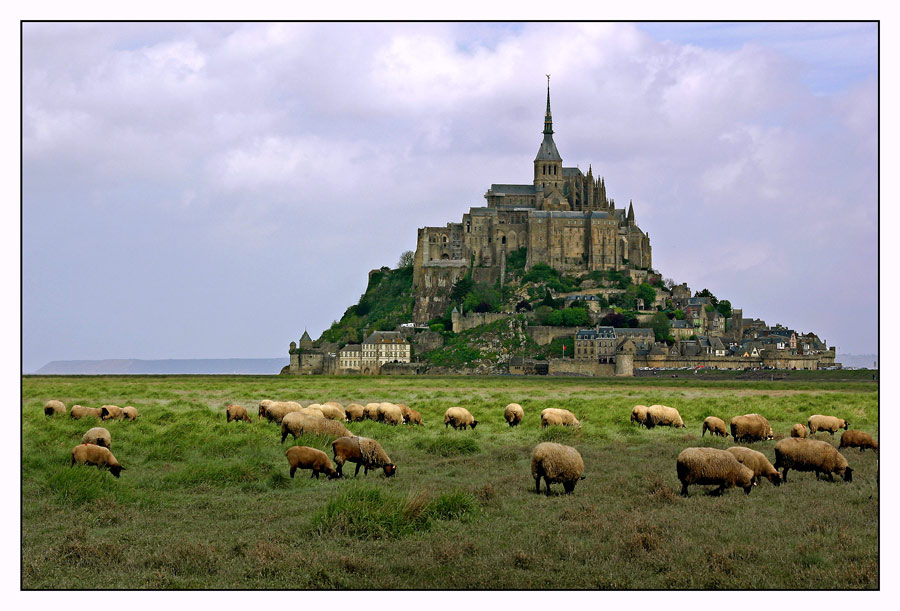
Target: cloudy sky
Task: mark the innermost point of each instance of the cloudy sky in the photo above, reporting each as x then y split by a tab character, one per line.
210	190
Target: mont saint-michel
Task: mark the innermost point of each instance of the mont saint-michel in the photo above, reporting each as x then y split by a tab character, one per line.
550	276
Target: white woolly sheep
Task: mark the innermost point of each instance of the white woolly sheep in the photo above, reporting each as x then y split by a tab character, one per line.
356	412
715	426
333	411
277	410
390	414
556	463
811	455
756	462
79	411
662	415
712	467
98	436
236	412
858	439
102	458
371	411
54	407
553	416
459	418
826	423
751	427
297	424
304	457
639	415
313	409
365	452
798	430
513	414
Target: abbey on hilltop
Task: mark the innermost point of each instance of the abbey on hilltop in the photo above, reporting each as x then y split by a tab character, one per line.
563	218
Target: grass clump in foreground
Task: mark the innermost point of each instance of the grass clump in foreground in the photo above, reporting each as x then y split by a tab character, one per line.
452	444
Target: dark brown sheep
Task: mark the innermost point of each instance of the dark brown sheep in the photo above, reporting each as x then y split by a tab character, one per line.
715	426
365	452
415	417
304	457
858	439
236	412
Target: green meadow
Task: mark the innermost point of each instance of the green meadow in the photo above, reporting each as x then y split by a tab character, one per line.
209	504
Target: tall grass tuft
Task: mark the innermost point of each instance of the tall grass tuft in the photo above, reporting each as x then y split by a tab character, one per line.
366	512
449	445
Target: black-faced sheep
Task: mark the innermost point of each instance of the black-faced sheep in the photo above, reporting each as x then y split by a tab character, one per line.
415	417
365	452
404	409
98	436
389	414
715	426
798	430
554	416
662	415
129	413
826	423
556	463
459	418
298	423
54	407
756	462
858	439
810	455
751	427
102	458
712	467
371	411
304	457
111	412
639	415
79	411
356	412
236	412
513	414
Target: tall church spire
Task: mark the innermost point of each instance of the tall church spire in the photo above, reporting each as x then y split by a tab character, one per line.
548	118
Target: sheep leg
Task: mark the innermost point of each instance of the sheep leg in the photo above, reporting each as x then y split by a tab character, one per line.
547	482
684	490
718	491
784	475
537	484
293	470
283	436
358	465
315	474
830	477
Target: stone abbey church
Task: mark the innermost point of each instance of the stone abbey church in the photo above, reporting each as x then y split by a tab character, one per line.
563	218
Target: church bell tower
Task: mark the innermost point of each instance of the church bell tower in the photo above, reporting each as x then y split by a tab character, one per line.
548	163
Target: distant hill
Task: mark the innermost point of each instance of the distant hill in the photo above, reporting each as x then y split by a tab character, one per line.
165	366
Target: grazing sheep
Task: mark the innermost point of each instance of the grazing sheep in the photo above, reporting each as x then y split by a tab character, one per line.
810	455
236	412
458	418
662	415
313	409
751	427
356	412
390	414
277	410
858	439
111	412
365	452
639	415
798	430
90	454
304	457
371	411
826	423
709	466
130	413
78	411
715	426
553	416
98	436
556	463
263	406
54	407
756	462
514	414
297	424
404	409
333	411
415	417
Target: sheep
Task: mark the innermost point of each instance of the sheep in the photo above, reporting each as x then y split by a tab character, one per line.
556	463
514	414
78	411
639	415
304	457
798	430
415	417
276	410
365	452
90	454
333	411
54	407
356	412
751	427
130	413
297	424
553	416
236	412
98	436
715	426
826	423
858	439
756	462
662	415
371	411
811	455
390	414
263	406
710	466
111	412
458	418
313	409
404	409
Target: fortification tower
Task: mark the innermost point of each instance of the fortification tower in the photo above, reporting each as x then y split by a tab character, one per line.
548	164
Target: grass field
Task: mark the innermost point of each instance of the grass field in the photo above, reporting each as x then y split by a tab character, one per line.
205	504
